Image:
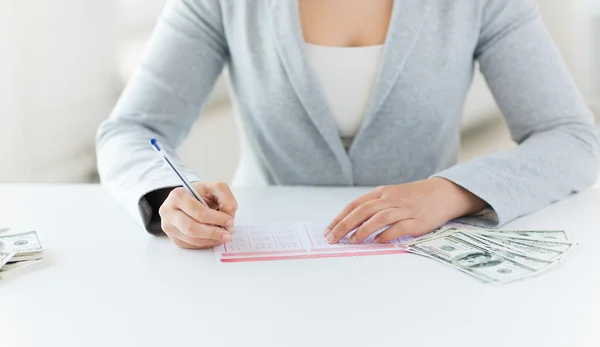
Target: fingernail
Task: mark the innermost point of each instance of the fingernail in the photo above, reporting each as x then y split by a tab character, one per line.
330	238
232	230
353	239
229	223
326	232
378	239
226	238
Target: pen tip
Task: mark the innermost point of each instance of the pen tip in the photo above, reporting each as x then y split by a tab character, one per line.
154	143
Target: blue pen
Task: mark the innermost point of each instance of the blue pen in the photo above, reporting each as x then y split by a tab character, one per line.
185	182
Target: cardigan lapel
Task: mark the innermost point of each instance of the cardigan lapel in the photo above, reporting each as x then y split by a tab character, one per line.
289	42
405	27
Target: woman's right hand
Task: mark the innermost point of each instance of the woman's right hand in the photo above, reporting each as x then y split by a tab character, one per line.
189	224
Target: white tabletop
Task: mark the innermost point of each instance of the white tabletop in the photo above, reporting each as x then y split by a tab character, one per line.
108	283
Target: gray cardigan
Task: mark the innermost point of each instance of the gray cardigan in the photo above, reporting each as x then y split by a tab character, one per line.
411	129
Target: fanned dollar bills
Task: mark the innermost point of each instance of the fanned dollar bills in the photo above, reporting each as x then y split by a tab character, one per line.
19	252
496	256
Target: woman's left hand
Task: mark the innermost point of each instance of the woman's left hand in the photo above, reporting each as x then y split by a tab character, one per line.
414	209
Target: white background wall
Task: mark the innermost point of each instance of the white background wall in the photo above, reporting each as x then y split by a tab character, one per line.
64	62
596	53
57	82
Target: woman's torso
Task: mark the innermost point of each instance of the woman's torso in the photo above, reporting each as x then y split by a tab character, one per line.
411	123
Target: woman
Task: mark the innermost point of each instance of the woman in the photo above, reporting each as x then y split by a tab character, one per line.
352	92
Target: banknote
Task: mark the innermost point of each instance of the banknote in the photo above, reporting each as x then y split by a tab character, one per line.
531	262
524	249
26	242
26	245
408	240
415	251
551	235
3	229
5	258
27	256
473	258
13	265
19	252
562	246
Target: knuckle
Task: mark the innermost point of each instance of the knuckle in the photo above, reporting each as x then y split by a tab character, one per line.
382	190
383	218
214	234
177	192
361	208
162	210
230	206
201	214
370	207
354	204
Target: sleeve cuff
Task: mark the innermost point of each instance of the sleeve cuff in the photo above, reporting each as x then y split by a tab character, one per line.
149	206
489	217
135	201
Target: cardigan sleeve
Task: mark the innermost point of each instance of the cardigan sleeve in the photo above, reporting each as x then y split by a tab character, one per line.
181	63
558	148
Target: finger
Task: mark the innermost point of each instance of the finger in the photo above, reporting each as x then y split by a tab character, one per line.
196	210
355	218
350	207
188	226
184	241
379	220
224	197
412	227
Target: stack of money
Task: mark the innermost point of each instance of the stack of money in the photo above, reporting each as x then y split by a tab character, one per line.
19	252
496	256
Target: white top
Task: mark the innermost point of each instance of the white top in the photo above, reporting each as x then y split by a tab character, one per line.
347	76
109	283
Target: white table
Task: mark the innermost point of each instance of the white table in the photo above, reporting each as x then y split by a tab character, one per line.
110	284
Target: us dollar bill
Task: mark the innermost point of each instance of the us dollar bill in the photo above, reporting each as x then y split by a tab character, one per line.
475	259
27	242
409	240
549	235
557	246
524	248
428	256
562	246
531	262
5	258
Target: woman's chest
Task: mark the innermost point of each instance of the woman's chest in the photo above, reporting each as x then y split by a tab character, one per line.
345	23
427	61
